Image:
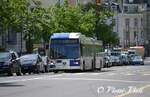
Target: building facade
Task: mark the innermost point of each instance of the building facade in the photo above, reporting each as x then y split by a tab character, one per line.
130	22
11	40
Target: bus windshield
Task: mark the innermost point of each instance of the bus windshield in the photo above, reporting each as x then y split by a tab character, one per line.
64	49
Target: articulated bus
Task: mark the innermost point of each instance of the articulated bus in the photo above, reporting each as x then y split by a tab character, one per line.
74	51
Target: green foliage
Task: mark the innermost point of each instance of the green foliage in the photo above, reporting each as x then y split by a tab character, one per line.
103	30
39	23
11	12
68	18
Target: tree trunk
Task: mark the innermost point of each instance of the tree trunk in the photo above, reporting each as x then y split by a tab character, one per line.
29	44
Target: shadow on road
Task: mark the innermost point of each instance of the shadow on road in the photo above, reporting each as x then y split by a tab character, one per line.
107	70
90	71
10	85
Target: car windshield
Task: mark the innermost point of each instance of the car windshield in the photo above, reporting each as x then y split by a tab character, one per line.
29	57
137	57
64	49
115	54
4	56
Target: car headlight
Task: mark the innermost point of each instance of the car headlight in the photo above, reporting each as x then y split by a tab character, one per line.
34	62
51	63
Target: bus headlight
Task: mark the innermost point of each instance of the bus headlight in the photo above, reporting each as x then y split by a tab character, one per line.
51	63
76	62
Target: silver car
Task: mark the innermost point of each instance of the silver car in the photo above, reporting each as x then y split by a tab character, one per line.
32	63
136	60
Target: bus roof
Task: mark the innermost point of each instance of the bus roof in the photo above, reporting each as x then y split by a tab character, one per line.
76	35
72	35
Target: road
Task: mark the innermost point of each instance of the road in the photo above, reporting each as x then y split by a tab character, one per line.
119	81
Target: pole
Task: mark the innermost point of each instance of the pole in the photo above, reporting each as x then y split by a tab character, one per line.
21	44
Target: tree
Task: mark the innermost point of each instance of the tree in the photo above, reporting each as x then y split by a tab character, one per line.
103	30
11	12
65	17
23	16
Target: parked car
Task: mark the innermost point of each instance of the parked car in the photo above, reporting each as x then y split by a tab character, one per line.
32	63
124	59
10	63
115	58
107	61
136	60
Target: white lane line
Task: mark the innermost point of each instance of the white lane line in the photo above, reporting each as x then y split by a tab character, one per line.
146	74
21	80
30	79
95	73
129	74
112	74
54	77
78	73
108	80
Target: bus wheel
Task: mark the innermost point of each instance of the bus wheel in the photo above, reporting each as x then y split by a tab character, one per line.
55	71
100	69
92	65
83	66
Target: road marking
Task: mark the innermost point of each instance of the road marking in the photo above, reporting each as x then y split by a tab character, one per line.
112	74
54	77
108	80
95	73
129	74
146	74
128	93
78	73
20	80
30	79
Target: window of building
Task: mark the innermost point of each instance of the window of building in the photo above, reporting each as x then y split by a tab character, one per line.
127	23
125	9
12	36
142	22
135	35
135	22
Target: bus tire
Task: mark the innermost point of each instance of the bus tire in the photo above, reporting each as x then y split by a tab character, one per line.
55	71
83	65
92	65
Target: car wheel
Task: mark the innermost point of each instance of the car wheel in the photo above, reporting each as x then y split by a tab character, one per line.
37	69
29	72
24	73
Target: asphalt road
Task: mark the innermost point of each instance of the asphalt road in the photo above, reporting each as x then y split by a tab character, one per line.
120	81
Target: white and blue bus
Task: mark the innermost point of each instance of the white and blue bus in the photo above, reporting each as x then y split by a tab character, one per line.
74	51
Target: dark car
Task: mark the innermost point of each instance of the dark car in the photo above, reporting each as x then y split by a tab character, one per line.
31	63
10	63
